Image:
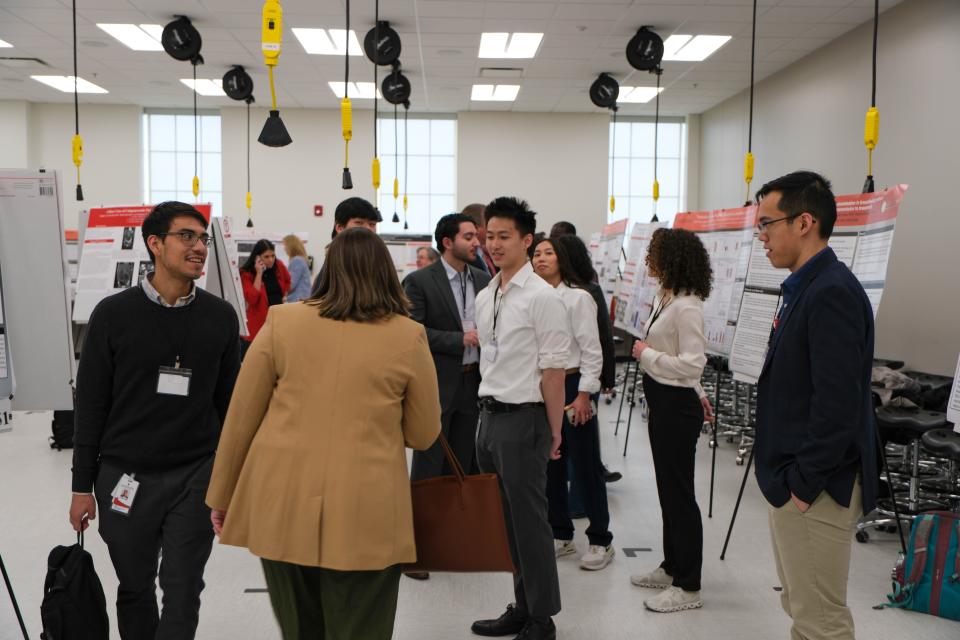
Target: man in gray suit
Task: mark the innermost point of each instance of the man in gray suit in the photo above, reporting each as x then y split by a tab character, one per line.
442	297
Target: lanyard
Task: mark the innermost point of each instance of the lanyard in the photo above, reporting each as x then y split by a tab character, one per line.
463	292
656	314
497	308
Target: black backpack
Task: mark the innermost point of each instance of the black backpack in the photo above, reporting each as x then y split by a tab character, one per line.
62	427
73	607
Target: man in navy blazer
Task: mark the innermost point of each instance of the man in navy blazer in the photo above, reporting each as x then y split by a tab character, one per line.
815	448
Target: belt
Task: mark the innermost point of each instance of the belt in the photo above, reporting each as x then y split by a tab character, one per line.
473	366
492	406
570	372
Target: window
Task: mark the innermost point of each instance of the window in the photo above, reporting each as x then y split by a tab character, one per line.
431	166
168	162
631	169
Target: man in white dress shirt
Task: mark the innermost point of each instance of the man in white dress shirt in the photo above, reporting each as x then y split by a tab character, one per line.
524	343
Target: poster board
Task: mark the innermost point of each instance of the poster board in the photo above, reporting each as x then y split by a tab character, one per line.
36	307
223	280
243	239
862	238
113	255
637	288
953	405
404	255
727	235
607	255
6	364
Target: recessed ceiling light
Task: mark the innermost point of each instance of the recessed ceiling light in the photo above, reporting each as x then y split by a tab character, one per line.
328	42
358	90
507	45
145	37
5	45
684	48
205	86
638	95
495	92
65	84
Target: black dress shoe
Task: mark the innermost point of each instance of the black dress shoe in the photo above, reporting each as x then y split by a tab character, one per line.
611	476
538	630
512	621
418	575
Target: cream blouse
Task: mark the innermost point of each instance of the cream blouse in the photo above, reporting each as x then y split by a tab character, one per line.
677	345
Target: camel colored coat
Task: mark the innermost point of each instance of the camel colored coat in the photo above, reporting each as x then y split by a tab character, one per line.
311	467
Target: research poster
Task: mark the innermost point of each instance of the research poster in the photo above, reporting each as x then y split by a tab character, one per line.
637	287
607	255
114	256
404	255
244	238
862	238
727	235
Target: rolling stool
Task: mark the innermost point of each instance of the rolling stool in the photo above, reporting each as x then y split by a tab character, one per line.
945	443
904	426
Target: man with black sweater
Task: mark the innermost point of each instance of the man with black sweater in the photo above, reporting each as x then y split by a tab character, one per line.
156	373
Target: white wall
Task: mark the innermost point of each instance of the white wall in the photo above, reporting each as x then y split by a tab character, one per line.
811	116
14	125
555	161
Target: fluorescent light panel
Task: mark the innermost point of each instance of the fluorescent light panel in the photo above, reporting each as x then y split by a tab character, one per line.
328	42
684	48
145	37
5	45
495	92
358	90
65	84
205	86
638	95
507	45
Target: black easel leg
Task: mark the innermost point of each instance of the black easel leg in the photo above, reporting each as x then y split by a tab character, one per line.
633	395
736	508
623	395
893	494
13	599
713	462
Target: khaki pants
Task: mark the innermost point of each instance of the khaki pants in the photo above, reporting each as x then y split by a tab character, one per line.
812	552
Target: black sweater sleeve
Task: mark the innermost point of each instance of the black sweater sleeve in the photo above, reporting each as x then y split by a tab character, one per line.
94	399
609	371
229	368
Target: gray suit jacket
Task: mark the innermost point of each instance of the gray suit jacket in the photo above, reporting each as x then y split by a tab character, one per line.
433	305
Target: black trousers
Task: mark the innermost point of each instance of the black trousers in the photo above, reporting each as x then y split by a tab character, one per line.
676	417
458	423
168	516
581	448
516	446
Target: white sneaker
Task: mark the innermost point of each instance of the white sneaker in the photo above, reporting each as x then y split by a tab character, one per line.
674	599
596	557
656	579
564	548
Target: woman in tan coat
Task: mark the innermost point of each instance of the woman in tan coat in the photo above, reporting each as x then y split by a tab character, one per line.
311	471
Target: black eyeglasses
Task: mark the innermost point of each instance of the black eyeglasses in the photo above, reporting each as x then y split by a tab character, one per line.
189	238
763	224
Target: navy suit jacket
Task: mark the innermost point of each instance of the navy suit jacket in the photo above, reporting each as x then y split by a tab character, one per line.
815	422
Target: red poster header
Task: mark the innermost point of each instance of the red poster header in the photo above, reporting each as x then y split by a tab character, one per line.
130	216
717	220
615	228
862	209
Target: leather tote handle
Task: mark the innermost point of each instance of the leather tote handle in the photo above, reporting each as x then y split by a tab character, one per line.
452	459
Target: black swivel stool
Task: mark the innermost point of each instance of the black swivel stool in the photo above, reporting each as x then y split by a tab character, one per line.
945	443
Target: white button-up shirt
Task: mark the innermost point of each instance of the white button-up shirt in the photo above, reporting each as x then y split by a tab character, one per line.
464	295
532	334
585	351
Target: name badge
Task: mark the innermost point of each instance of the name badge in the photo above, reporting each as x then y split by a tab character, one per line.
124	494
490	352
174	382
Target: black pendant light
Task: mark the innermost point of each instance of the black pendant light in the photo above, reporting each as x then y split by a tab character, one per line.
645	50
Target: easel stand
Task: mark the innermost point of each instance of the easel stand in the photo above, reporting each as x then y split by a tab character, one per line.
13	599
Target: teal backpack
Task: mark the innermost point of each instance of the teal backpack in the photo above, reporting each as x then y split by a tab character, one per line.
928	578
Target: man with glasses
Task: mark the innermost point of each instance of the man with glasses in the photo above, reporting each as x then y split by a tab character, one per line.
156	372
815	447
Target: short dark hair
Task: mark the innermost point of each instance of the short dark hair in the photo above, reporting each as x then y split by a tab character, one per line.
804	192
579	258
262	246
513	209
355	208
681	262
563	228
448	227
162	216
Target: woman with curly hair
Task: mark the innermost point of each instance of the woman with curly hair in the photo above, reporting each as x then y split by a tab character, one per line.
673	357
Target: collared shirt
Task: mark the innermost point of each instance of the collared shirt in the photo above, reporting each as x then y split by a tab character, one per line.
677	348
154	296
532	333
585	351
789	287
464	294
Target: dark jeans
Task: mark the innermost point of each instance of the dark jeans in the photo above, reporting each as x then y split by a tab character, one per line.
312	603
458	423
168	516
676	417
575	497
581	446
516	446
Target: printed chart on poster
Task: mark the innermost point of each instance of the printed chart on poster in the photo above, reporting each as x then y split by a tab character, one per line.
862	238
404	255
727	235
607	255
953	405
114	256
637	287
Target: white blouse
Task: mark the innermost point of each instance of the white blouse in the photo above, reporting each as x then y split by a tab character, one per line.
585	351
677	345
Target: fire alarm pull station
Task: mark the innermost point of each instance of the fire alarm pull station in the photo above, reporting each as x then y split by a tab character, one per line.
318	210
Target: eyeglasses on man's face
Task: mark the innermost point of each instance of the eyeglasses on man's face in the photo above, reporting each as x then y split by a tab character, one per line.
189	238
763	225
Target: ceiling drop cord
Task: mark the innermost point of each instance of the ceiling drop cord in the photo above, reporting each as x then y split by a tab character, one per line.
406	164
196	184
613	161
77	142
748	158
656	131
